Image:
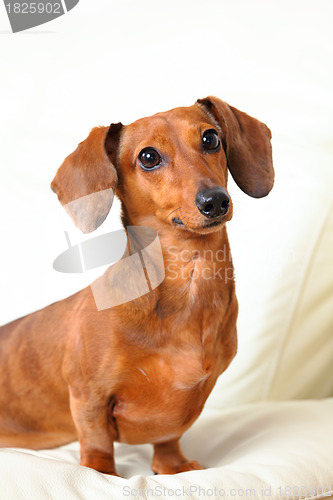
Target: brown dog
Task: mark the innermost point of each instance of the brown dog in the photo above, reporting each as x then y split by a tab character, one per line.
140	372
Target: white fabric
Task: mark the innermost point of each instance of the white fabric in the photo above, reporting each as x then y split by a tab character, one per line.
263	450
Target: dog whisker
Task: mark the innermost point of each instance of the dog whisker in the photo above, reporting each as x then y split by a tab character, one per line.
174	211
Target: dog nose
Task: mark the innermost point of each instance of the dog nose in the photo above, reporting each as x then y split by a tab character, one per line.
213	202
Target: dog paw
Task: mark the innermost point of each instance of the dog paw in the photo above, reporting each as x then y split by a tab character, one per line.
176	469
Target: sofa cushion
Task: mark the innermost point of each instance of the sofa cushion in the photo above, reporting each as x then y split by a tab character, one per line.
263	450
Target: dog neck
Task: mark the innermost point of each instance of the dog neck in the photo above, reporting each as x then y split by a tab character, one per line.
194	264
197	269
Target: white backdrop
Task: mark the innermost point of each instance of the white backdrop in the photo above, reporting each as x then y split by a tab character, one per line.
110	61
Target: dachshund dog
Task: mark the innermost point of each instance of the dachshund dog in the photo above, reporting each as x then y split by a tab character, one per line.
141	371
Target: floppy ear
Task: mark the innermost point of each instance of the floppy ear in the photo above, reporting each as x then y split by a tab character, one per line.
86	181
247	145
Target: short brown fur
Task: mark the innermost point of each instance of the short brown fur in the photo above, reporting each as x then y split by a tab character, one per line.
142	371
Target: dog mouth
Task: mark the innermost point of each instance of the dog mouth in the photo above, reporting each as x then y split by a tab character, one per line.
208	225
213	224
178	222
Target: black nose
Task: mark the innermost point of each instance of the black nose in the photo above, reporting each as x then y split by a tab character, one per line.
213	202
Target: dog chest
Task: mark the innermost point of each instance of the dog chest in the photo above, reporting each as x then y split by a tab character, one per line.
163	396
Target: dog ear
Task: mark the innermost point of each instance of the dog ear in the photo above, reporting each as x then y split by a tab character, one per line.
86	181
247	145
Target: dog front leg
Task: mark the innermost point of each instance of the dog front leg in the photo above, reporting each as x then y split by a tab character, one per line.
169	459
96	433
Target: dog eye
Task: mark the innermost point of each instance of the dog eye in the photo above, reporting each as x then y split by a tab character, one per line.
149	158
210	140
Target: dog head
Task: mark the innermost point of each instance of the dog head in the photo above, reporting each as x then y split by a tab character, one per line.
168	169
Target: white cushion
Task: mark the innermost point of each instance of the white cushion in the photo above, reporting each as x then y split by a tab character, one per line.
265	449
